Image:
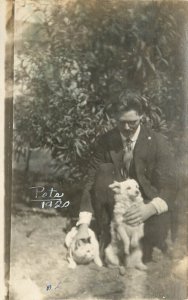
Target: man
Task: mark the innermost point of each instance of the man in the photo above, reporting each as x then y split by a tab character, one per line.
134	151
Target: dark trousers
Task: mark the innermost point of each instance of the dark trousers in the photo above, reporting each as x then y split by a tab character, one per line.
155	229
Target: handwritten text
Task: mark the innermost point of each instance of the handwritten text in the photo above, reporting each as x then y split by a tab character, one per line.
49	198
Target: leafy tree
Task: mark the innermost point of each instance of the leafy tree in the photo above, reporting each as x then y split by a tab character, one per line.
76	62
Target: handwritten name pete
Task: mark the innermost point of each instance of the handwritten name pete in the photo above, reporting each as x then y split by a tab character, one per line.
41	191
47	196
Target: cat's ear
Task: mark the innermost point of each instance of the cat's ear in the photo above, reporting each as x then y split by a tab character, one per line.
79	243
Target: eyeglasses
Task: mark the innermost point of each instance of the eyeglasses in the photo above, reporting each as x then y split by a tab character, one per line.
130	123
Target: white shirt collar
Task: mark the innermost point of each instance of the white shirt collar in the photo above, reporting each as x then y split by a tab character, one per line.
134	137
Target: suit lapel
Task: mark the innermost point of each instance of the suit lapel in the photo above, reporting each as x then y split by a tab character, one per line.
139	155
142	144
116	153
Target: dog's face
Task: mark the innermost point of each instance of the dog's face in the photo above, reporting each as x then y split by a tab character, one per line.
83	252
127	188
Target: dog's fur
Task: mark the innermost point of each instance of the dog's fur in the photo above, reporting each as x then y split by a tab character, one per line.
82	251
126	194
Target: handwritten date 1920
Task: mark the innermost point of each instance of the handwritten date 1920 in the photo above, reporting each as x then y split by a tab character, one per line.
54	204
49	198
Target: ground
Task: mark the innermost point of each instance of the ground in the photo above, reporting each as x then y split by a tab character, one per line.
39	269
38	253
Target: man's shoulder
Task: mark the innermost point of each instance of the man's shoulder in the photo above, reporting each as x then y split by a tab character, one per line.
109	138
153	133
158	139
114	135
109	135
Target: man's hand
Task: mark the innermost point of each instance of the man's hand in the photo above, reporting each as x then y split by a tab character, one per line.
83	232
137	214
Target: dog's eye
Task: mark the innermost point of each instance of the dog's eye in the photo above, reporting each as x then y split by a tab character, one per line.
128	188
86	240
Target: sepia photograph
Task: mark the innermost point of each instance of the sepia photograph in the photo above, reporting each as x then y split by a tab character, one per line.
96	127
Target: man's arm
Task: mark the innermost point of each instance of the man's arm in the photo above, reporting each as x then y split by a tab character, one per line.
165	173
86	209
165	183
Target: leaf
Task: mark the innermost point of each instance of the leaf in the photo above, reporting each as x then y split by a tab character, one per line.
152	66
139	63
73	85
165	61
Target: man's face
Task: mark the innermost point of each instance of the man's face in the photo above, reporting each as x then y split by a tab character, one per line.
128	122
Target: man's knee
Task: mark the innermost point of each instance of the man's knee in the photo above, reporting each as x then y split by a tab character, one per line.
103	198
101	193
156	229
105	175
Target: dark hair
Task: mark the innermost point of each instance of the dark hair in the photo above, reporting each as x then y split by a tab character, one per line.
129	100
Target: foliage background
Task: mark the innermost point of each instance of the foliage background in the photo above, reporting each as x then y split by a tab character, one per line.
74	61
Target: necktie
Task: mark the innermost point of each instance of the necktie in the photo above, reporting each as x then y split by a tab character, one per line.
127	157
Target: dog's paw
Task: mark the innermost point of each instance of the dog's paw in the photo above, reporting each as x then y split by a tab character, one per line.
122	270
141	267
126	250
134	243
72	265
98	261
110	257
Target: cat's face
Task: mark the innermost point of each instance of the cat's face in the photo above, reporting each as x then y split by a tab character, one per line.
83	252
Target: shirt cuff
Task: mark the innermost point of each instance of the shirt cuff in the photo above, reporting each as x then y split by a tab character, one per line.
84	218
160	205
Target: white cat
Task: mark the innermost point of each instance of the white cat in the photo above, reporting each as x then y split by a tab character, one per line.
82	251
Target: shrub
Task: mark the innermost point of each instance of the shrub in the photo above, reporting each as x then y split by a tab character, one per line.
75	62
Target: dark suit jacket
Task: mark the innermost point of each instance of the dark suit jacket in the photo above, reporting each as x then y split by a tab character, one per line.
152	165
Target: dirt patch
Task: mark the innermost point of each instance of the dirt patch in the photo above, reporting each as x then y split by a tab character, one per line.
38	255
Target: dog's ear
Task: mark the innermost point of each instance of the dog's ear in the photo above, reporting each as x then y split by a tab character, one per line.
115	186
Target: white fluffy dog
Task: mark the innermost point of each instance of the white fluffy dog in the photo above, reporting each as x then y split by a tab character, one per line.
82	251
126	194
